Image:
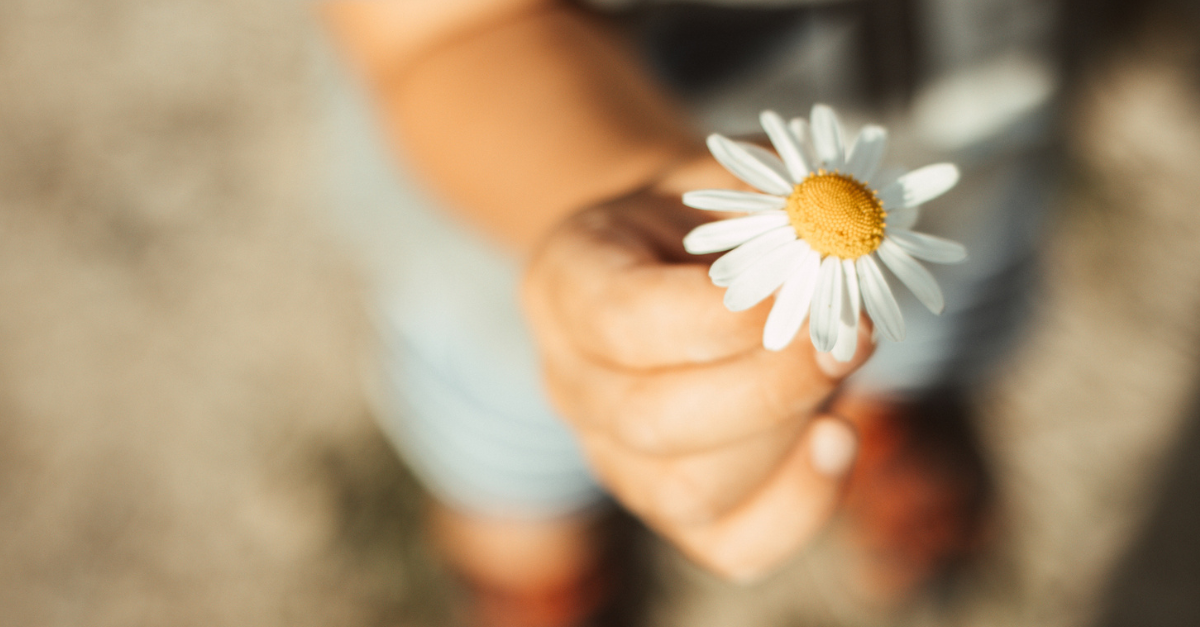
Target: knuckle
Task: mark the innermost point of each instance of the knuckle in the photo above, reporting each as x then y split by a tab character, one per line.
648	424
681	500
640	432
793	396
610	337
617	333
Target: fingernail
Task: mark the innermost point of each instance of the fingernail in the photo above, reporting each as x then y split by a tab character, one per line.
836	368
833	447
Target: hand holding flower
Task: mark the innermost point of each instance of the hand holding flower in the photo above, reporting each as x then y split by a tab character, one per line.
716	442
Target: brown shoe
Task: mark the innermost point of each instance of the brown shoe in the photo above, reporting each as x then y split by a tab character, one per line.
603	586
916	501
569	604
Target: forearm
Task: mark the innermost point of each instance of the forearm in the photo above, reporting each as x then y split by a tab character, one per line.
519	116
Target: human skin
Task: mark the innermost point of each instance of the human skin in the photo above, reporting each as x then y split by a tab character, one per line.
538	128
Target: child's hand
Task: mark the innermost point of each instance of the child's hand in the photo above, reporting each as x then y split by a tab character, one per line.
717	443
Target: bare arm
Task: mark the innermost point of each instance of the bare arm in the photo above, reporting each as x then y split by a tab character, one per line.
517	111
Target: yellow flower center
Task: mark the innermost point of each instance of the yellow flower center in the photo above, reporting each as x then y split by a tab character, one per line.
837	215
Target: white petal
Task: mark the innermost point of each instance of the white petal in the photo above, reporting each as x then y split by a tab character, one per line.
769	159
792	303
902	218
886	176
852	304
912	274
847	340
726	269
928	247
725	234
920	186
827	137
785	144
892	197
764	276
799	129
803	134
867	153
744	166
827	305
877	296
731	200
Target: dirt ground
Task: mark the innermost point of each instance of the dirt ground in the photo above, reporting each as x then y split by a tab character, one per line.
184	438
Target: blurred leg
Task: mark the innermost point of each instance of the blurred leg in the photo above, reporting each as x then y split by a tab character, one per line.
526	573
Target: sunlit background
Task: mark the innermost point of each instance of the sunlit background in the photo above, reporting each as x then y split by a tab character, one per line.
186	436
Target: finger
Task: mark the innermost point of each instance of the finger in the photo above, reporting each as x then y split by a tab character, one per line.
783	515
607	277
688	489
691	409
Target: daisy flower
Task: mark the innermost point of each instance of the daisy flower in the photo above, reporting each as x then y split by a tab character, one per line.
826	219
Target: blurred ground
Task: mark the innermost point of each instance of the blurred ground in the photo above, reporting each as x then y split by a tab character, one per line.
184	440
